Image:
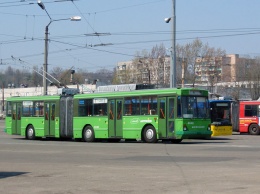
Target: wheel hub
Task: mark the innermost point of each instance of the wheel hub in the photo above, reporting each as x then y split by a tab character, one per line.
88	133
30	132
149	133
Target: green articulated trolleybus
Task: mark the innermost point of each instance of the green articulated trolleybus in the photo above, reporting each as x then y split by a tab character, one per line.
149	115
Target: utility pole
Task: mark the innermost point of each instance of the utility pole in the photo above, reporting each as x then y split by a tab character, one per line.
182	73
173	71
45	70
3	98
149	76
45	65
173	50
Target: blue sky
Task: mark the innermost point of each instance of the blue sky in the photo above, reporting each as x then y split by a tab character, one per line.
128	26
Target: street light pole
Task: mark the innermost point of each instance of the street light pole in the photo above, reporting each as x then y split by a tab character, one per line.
45	69
173	51
45	65
44	81
3	97
182	72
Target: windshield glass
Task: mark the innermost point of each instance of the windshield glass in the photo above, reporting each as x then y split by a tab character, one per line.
220	111
194	107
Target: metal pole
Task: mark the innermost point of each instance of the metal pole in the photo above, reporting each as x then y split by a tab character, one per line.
182	73
173	52
3	98
149	76
45	69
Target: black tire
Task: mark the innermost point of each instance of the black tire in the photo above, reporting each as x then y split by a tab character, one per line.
176	141
30	133
88	134
149	134
254	129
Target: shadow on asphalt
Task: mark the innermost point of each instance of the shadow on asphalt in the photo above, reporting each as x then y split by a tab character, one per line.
10	174
218	140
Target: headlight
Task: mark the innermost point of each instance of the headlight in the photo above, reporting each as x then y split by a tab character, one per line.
185	128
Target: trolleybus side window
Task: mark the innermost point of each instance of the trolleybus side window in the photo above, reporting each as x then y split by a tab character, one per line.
27	108
148	105
251	110
135	105
132	106
162	109
128	106
137	108
179	109
85	108
47	111
171	108
53	112
14	111
100	106
119	110
153	105
38	108
111	110
9	109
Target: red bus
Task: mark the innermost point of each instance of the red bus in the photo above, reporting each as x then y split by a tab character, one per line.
247	119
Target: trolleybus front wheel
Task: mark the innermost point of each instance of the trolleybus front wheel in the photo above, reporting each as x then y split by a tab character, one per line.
149	134
254	129
30	132
88	134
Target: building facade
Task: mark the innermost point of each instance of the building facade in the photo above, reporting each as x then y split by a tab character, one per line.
145	71
229	68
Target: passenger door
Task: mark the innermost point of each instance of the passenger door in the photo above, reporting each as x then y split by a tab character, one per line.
49	118
166	115
16	117
115	118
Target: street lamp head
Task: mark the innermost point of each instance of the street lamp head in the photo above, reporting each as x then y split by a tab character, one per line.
167	20
75	18
40	3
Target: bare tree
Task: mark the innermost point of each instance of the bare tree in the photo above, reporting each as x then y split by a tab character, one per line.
150	67
18	77
159	70
253	75
10	75
189	53
56	72
36	77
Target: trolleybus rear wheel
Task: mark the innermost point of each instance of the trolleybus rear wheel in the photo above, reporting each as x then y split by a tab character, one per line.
254	129
88	134
149	134
30	132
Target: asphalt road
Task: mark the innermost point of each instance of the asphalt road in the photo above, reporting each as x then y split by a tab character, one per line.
220	165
